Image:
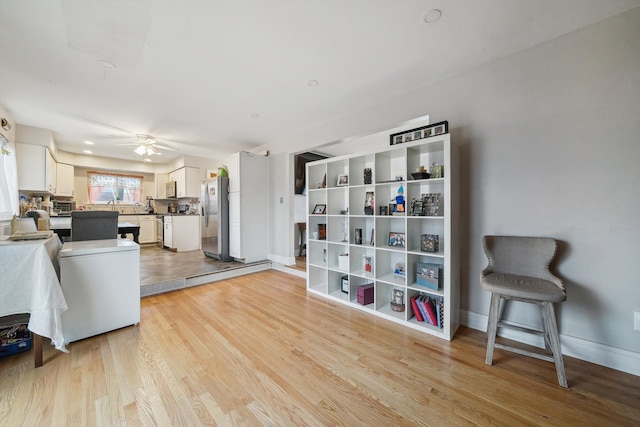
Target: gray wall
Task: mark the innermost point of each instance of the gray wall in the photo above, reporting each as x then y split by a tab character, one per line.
549	144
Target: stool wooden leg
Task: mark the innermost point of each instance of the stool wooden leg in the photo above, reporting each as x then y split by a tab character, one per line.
554	342
545	332
492	326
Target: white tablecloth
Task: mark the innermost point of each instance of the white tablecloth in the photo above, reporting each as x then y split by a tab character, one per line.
29	284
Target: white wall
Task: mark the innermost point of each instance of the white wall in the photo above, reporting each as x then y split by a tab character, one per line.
280	230
549	146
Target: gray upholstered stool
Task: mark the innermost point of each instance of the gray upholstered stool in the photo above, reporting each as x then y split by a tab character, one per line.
519	270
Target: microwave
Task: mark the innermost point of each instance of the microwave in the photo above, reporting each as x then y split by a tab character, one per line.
64	206
171	189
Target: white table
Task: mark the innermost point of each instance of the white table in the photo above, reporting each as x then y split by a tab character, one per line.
30	284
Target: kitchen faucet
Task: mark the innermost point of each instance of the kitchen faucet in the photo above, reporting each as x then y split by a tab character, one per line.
113	204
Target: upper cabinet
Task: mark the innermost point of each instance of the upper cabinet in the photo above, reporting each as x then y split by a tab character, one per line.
37	169
161	185
65	178
187	181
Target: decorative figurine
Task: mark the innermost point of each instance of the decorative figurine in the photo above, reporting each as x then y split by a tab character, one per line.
400	200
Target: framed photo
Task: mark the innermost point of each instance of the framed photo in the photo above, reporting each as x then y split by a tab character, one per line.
429	243
400	270
320	209
358	236
396	239
369	203
343	180
397	300
439	128
416	208
344	284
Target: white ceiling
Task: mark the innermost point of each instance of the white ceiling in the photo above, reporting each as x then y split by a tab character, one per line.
195	74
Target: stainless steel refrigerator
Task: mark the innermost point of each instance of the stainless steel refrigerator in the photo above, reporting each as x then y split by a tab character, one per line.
214	200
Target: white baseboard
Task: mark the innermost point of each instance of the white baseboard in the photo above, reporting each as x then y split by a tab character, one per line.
600	354
282	259
288	270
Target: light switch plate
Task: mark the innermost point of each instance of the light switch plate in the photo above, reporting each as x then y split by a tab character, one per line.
636	320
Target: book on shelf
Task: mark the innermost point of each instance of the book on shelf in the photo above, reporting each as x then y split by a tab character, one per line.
421	307
416	310
431	311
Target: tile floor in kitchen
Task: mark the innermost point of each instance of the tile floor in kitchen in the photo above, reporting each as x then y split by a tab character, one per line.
162	270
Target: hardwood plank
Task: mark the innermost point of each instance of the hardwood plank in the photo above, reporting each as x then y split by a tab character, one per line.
260	350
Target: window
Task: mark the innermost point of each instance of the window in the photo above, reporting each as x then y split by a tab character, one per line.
105	187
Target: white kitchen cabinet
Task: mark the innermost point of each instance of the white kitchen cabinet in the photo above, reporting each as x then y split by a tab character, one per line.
65	180
147	225
182	232
147	228
161	185
37	170
187	181
248	207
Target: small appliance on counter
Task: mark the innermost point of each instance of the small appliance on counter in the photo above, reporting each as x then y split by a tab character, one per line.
150	204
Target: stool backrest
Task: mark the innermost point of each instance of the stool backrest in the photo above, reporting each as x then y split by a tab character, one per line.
522	256
94	225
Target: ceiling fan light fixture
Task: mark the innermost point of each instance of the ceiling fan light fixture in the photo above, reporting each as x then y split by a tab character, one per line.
141	150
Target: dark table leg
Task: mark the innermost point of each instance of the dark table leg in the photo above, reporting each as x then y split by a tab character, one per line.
37	349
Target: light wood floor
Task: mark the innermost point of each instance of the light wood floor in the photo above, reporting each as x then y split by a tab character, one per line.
259	350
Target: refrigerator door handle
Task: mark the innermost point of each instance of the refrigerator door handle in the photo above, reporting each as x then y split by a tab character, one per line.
205	207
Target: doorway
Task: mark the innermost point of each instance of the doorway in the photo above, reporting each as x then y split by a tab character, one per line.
300	211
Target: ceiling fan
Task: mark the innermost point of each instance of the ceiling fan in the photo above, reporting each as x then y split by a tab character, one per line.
147	145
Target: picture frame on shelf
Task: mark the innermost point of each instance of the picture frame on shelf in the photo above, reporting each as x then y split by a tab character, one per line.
319	209
358	236
416	208
367	175
322	231
369	203
396	239
397	300
439	128
429	243
344	284
343	180
400	270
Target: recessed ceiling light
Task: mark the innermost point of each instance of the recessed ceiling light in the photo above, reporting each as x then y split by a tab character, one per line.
88	142
255	116
431	16
87	151
313	83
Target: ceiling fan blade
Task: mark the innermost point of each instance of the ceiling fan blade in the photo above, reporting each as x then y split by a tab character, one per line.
164	147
